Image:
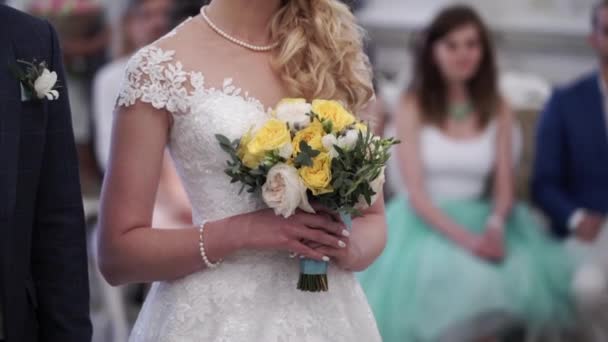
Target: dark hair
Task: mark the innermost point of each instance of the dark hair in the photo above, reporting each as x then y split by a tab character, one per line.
355	5
595	12
429	85
133	5
186	8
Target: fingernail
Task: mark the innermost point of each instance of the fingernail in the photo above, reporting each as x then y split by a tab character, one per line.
341	244
345	233
326	259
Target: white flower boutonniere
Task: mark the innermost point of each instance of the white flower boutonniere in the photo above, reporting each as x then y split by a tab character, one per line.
37	81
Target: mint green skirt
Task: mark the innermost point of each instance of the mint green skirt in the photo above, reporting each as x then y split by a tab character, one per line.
423	284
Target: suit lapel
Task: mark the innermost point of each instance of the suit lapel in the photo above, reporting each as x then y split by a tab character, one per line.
10	130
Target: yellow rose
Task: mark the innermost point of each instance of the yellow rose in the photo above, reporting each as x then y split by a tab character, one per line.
250	160
312	134
317	177
360	126
272	136
334	111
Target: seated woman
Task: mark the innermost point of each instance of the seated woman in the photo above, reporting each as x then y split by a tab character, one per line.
458	261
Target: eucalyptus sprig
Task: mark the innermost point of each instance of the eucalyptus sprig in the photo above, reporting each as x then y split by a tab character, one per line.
353	171
250	179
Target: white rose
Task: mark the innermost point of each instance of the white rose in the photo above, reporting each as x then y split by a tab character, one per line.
44	85
294	113
286	150
376	186
349	140
284	191
328	142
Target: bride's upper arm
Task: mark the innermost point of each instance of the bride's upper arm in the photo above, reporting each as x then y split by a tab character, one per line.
139	136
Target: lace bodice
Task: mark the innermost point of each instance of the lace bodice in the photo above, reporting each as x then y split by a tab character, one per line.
252	296
154	77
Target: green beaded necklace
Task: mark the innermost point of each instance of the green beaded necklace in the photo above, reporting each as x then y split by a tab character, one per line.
461	111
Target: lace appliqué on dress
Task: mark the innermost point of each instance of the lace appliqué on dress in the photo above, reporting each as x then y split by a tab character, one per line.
153	77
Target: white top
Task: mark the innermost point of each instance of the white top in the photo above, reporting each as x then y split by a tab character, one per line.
457	168
251	296
461	168
105	92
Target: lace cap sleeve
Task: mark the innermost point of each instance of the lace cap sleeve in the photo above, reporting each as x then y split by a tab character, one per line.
152	76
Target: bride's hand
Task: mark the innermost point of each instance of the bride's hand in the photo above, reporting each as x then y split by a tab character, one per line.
342	257
263	230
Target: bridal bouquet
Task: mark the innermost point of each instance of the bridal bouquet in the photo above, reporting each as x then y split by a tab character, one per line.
310	152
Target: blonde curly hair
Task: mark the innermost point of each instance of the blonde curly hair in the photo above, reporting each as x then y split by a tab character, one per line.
320	52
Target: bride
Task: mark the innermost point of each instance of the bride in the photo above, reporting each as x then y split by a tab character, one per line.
230	276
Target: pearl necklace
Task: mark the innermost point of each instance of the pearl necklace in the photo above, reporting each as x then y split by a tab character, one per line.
230	38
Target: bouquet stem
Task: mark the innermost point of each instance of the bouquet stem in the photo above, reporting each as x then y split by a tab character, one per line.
313	276
313	273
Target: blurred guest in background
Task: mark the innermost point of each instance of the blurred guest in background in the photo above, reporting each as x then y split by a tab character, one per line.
84	36
570	181
144	22
355	5
460	265
376	114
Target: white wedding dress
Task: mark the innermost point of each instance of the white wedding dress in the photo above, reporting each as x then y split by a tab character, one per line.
251	296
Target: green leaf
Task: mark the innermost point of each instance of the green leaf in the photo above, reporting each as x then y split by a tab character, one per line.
306	154
338	181
257	172
26	63
227	148
17	72
223	140
328	126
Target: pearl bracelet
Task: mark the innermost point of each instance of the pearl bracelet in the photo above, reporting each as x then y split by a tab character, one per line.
201	245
